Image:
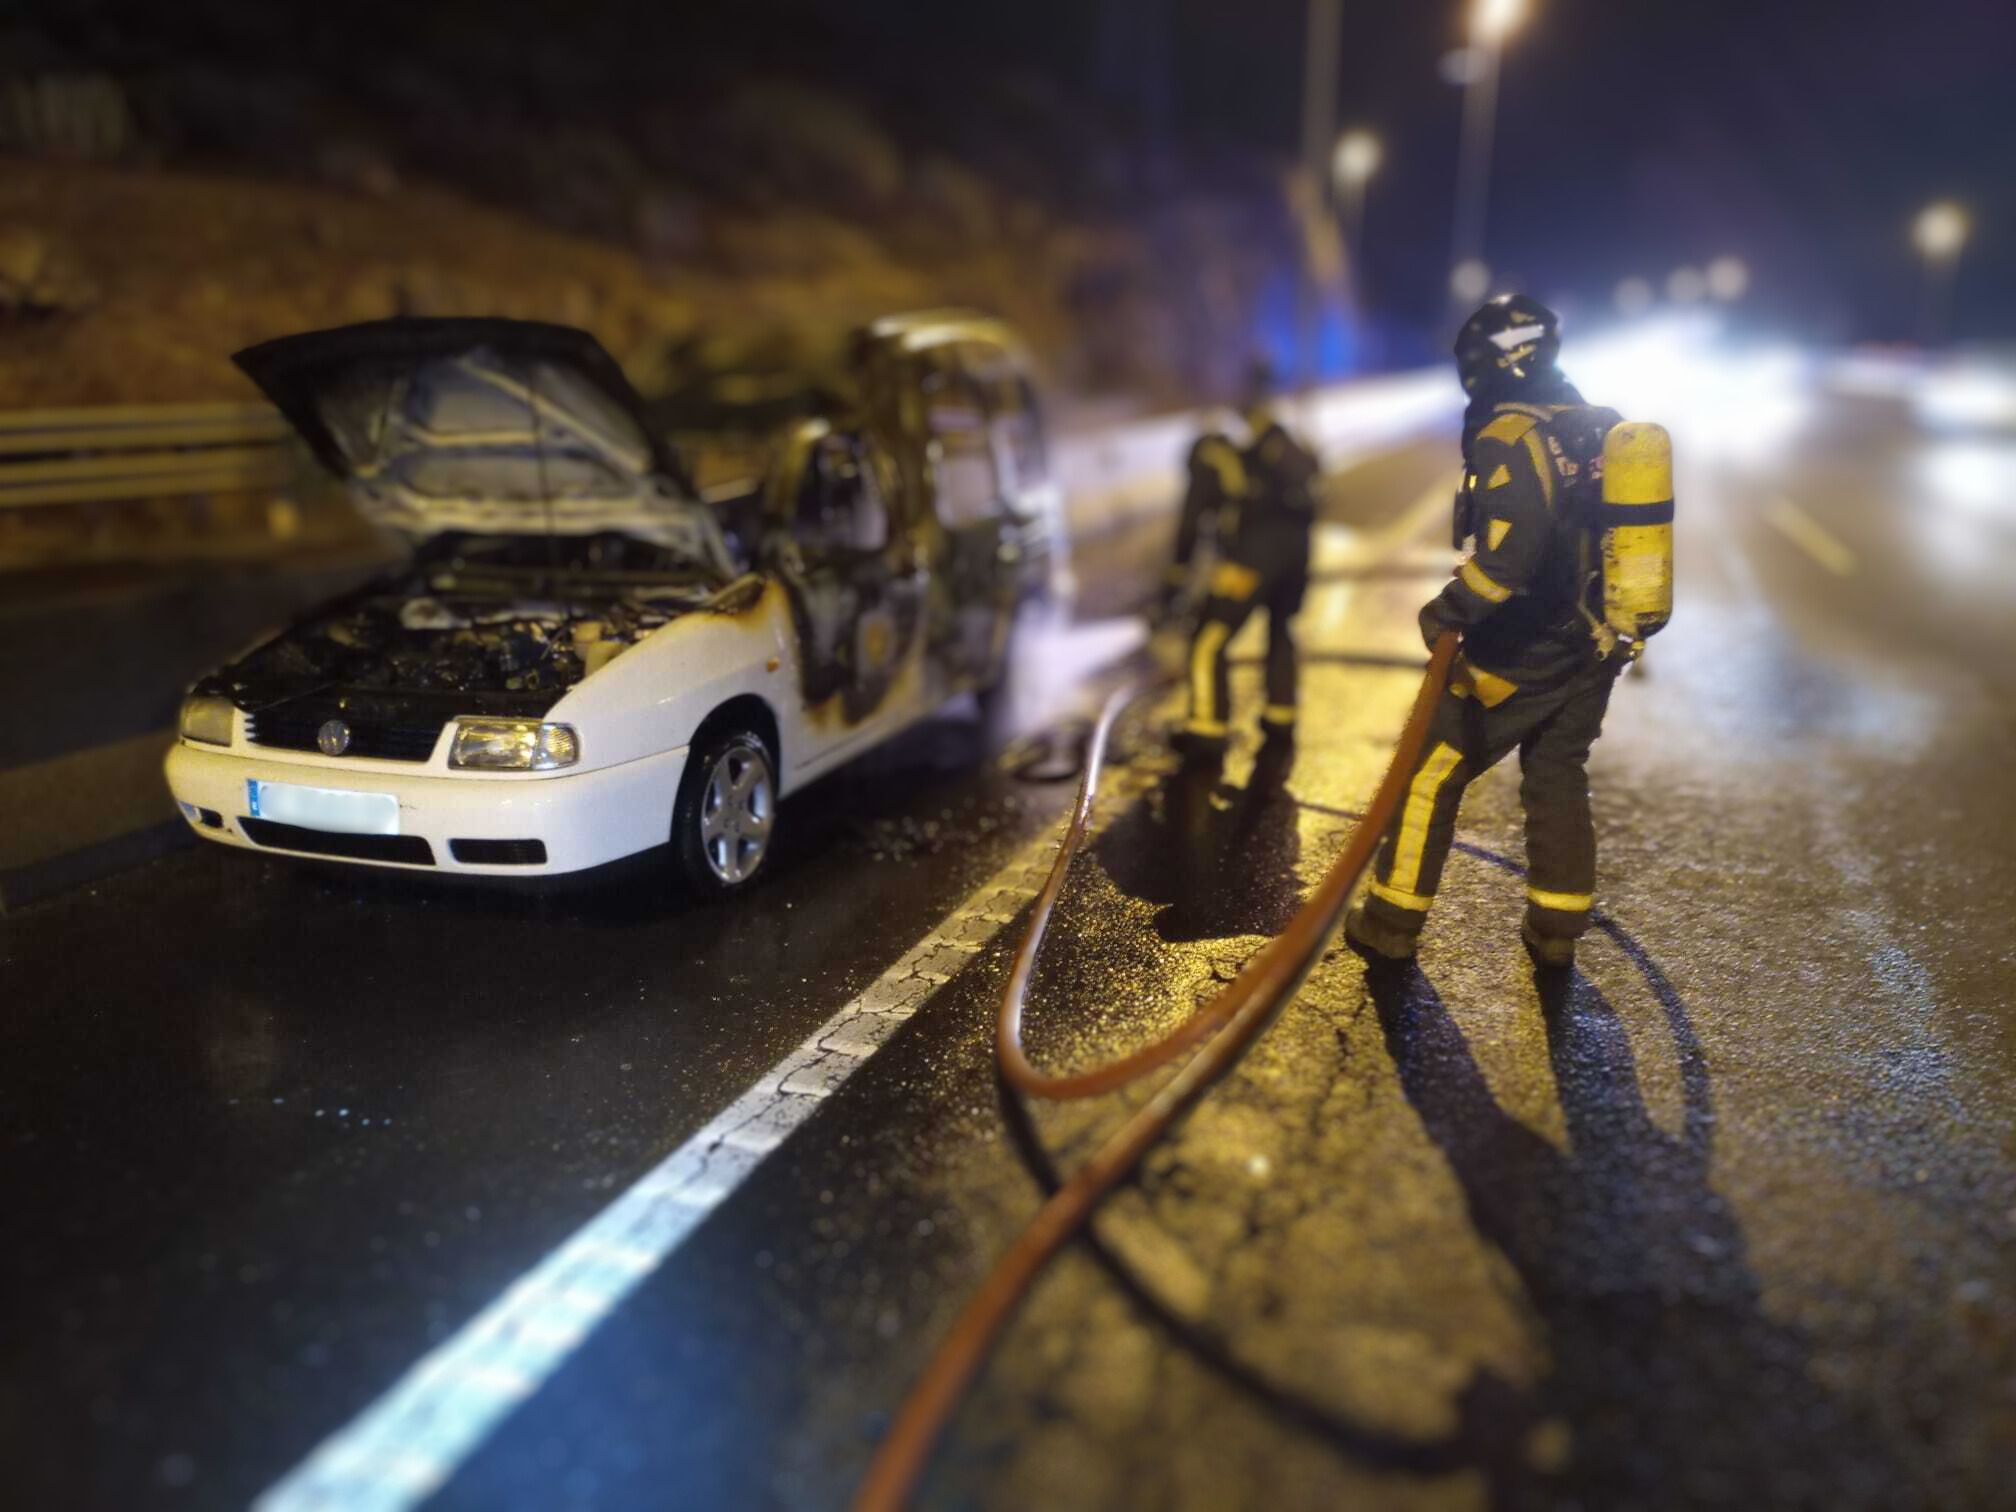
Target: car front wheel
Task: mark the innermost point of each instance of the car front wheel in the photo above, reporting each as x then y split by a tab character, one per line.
726	816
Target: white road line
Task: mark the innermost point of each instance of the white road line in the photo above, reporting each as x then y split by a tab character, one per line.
1809	535
405	1445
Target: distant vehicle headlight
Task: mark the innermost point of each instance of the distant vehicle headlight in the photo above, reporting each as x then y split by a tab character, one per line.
1966	399
207	718
513	745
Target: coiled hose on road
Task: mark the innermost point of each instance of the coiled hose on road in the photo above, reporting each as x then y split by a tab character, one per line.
1240	1013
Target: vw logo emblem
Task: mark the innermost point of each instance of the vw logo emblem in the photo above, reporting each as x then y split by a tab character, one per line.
333	739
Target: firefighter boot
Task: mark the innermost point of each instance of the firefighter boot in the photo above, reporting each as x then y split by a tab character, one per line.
1375	941
1196	748
1549	952
1277	726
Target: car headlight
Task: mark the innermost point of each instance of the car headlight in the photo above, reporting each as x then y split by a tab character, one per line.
207	718
513	745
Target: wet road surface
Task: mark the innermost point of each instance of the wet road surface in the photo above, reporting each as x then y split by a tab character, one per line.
1728	1219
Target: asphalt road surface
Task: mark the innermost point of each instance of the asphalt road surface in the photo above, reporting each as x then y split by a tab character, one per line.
1730	1219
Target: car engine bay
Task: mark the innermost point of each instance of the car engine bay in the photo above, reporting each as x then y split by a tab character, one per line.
493	621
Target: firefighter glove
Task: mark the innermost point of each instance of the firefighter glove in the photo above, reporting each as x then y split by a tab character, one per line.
1432	623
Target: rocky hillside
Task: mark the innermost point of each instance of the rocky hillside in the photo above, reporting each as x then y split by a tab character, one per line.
136	285
180	186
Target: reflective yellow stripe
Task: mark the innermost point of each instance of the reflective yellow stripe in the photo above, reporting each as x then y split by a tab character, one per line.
1507	428
1494	537
1278	714
1223	459
1412	902
1500	477
1561	902
1232	581
1467	680
1203	683
1490	688
1541	464
1211	727
1421	796
1474	579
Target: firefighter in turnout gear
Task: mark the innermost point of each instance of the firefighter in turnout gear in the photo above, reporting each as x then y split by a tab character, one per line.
1538	659
1261	498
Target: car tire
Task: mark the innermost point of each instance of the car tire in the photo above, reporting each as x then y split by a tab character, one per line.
724	825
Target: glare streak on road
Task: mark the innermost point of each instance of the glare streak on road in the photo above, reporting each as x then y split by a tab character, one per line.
1810	536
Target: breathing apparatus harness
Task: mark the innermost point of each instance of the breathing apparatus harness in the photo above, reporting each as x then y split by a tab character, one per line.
1614	478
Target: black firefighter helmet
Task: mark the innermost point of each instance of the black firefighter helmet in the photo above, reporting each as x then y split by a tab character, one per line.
1257	384
1508	343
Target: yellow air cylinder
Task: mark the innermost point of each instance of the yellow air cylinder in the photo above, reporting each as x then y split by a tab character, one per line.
1637	528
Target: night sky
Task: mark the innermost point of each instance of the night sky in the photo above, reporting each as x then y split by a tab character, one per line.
1635	136
1800	135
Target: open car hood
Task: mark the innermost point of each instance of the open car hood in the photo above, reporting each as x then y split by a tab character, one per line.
489	426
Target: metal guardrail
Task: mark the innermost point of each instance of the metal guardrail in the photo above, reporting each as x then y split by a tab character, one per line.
114	453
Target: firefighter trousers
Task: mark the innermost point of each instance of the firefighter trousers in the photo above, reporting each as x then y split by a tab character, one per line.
1552	730
1236	590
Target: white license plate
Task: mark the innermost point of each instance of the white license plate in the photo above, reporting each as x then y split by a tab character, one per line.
331	809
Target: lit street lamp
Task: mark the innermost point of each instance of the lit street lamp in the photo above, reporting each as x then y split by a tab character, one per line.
1469	281
1496	18
1728	278
1352	165
1490	24
1940	231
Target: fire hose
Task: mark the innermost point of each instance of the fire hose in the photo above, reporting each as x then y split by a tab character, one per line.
1239	1014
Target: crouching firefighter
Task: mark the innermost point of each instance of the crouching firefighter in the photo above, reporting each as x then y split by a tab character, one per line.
1572	514
1264	507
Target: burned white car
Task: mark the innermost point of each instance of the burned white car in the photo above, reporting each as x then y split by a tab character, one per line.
575	665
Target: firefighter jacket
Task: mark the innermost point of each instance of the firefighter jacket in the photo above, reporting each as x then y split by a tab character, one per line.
1521	600
1262	497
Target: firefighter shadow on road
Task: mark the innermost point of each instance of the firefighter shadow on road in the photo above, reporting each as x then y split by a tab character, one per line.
1674	1385
1219	861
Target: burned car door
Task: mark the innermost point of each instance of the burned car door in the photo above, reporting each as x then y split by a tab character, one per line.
1035	506
854	579
977	569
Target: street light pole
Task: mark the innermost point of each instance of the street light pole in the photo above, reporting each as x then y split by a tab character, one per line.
1490	24
1319	117
1940	232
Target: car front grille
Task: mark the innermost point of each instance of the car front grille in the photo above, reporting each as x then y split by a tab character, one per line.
410	850
289	729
